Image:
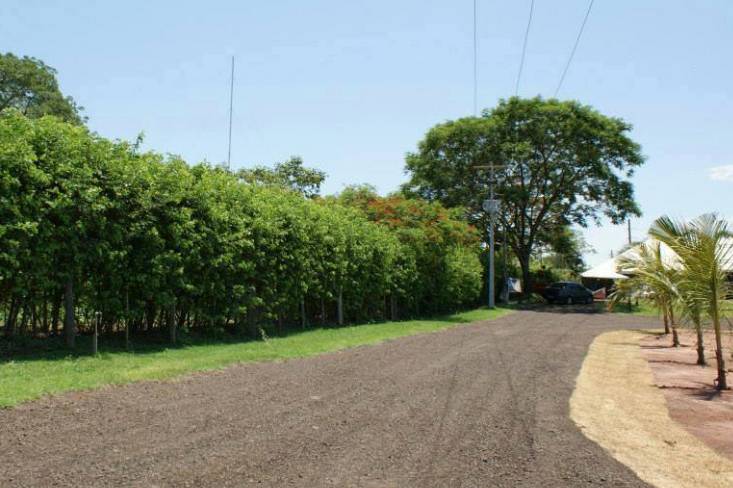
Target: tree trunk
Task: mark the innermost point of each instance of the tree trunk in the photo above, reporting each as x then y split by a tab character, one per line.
55	312
252	321
69	321
393	307
45	315
173	324
24	322
303	320
666	322
675	335
340	306
323	312
700	346
127	319
722	383
11	319
150	313
95	336
34	320
526	277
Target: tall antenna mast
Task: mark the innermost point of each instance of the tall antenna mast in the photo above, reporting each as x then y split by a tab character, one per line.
231	104
475	63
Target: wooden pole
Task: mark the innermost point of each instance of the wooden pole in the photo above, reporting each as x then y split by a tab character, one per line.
341	305
303	321
95	337
127	318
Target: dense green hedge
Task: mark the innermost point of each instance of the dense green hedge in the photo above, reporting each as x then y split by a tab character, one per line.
94	226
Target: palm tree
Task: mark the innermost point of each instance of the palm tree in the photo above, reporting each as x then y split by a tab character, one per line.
703	251
693	310
648	271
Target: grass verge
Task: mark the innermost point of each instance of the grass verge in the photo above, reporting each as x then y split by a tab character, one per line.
27	379
616	404
643	308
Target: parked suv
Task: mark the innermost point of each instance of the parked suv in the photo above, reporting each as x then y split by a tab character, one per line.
568	293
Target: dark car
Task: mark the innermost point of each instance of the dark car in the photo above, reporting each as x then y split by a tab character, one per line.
568	293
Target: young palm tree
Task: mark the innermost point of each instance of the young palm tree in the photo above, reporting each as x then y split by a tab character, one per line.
702	248
693	310
648	271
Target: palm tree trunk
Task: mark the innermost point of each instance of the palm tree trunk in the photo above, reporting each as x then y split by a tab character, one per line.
722	383
700	346
675	335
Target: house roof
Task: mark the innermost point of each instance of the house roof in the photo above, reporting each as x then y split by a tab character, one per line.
606	270
609	269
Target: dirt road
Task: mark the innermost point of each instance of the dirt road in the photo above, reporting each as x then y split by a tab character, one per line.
483	405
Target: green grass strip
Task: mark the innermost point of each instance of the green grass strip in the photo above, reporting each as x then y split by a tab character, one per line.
30	378
643	308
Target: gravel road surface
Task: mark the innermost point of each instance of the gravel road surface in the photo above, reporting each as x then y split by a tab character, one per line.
481	405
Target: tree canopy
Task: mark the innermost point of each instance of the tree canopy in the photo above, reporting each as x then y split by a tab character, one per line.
438	243
290	174
93	226
30	86
559	163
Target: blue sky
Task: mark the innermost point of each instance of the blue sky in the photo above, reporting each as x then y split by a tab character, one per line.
352	86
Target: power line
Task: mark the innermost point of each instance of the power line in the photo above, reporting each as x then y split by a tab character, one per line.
524	47
575	46
475	63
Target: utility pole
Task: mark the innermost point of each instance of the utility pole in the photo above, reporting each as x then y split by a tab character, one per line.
491	207
628	229
504	277
231	106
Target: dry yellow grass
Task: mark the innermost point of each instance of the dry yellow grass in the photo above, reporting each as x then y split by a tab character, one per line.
616	404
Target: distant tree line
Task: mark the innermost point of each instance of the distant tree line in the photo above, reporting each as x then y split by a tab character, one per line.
93	229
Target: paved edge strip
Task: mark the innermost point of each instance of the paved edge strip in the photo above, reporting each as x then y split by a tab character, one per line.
616	405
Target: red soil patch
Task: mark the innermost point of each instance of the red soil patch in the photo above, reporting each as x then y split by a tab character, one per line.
688	388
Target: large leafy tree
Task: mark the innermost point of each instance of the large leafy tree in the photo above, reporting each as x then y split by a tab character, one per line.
291	174
29	85
564	249
561	163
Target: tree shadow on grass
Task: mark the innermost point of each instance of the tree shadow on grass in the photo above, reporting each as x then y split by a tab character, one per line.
559	309
459	317
54	348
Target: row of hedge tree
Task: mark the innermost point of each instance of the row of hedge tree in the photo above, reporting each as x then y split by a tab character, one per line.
96	230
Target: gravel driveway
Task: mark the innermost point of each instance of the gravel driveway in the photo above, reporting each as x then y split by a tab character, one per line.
482	405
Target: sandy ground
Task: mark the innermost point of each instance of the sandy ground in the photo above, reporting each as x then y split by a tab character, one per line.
617	404
482	405
691	399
